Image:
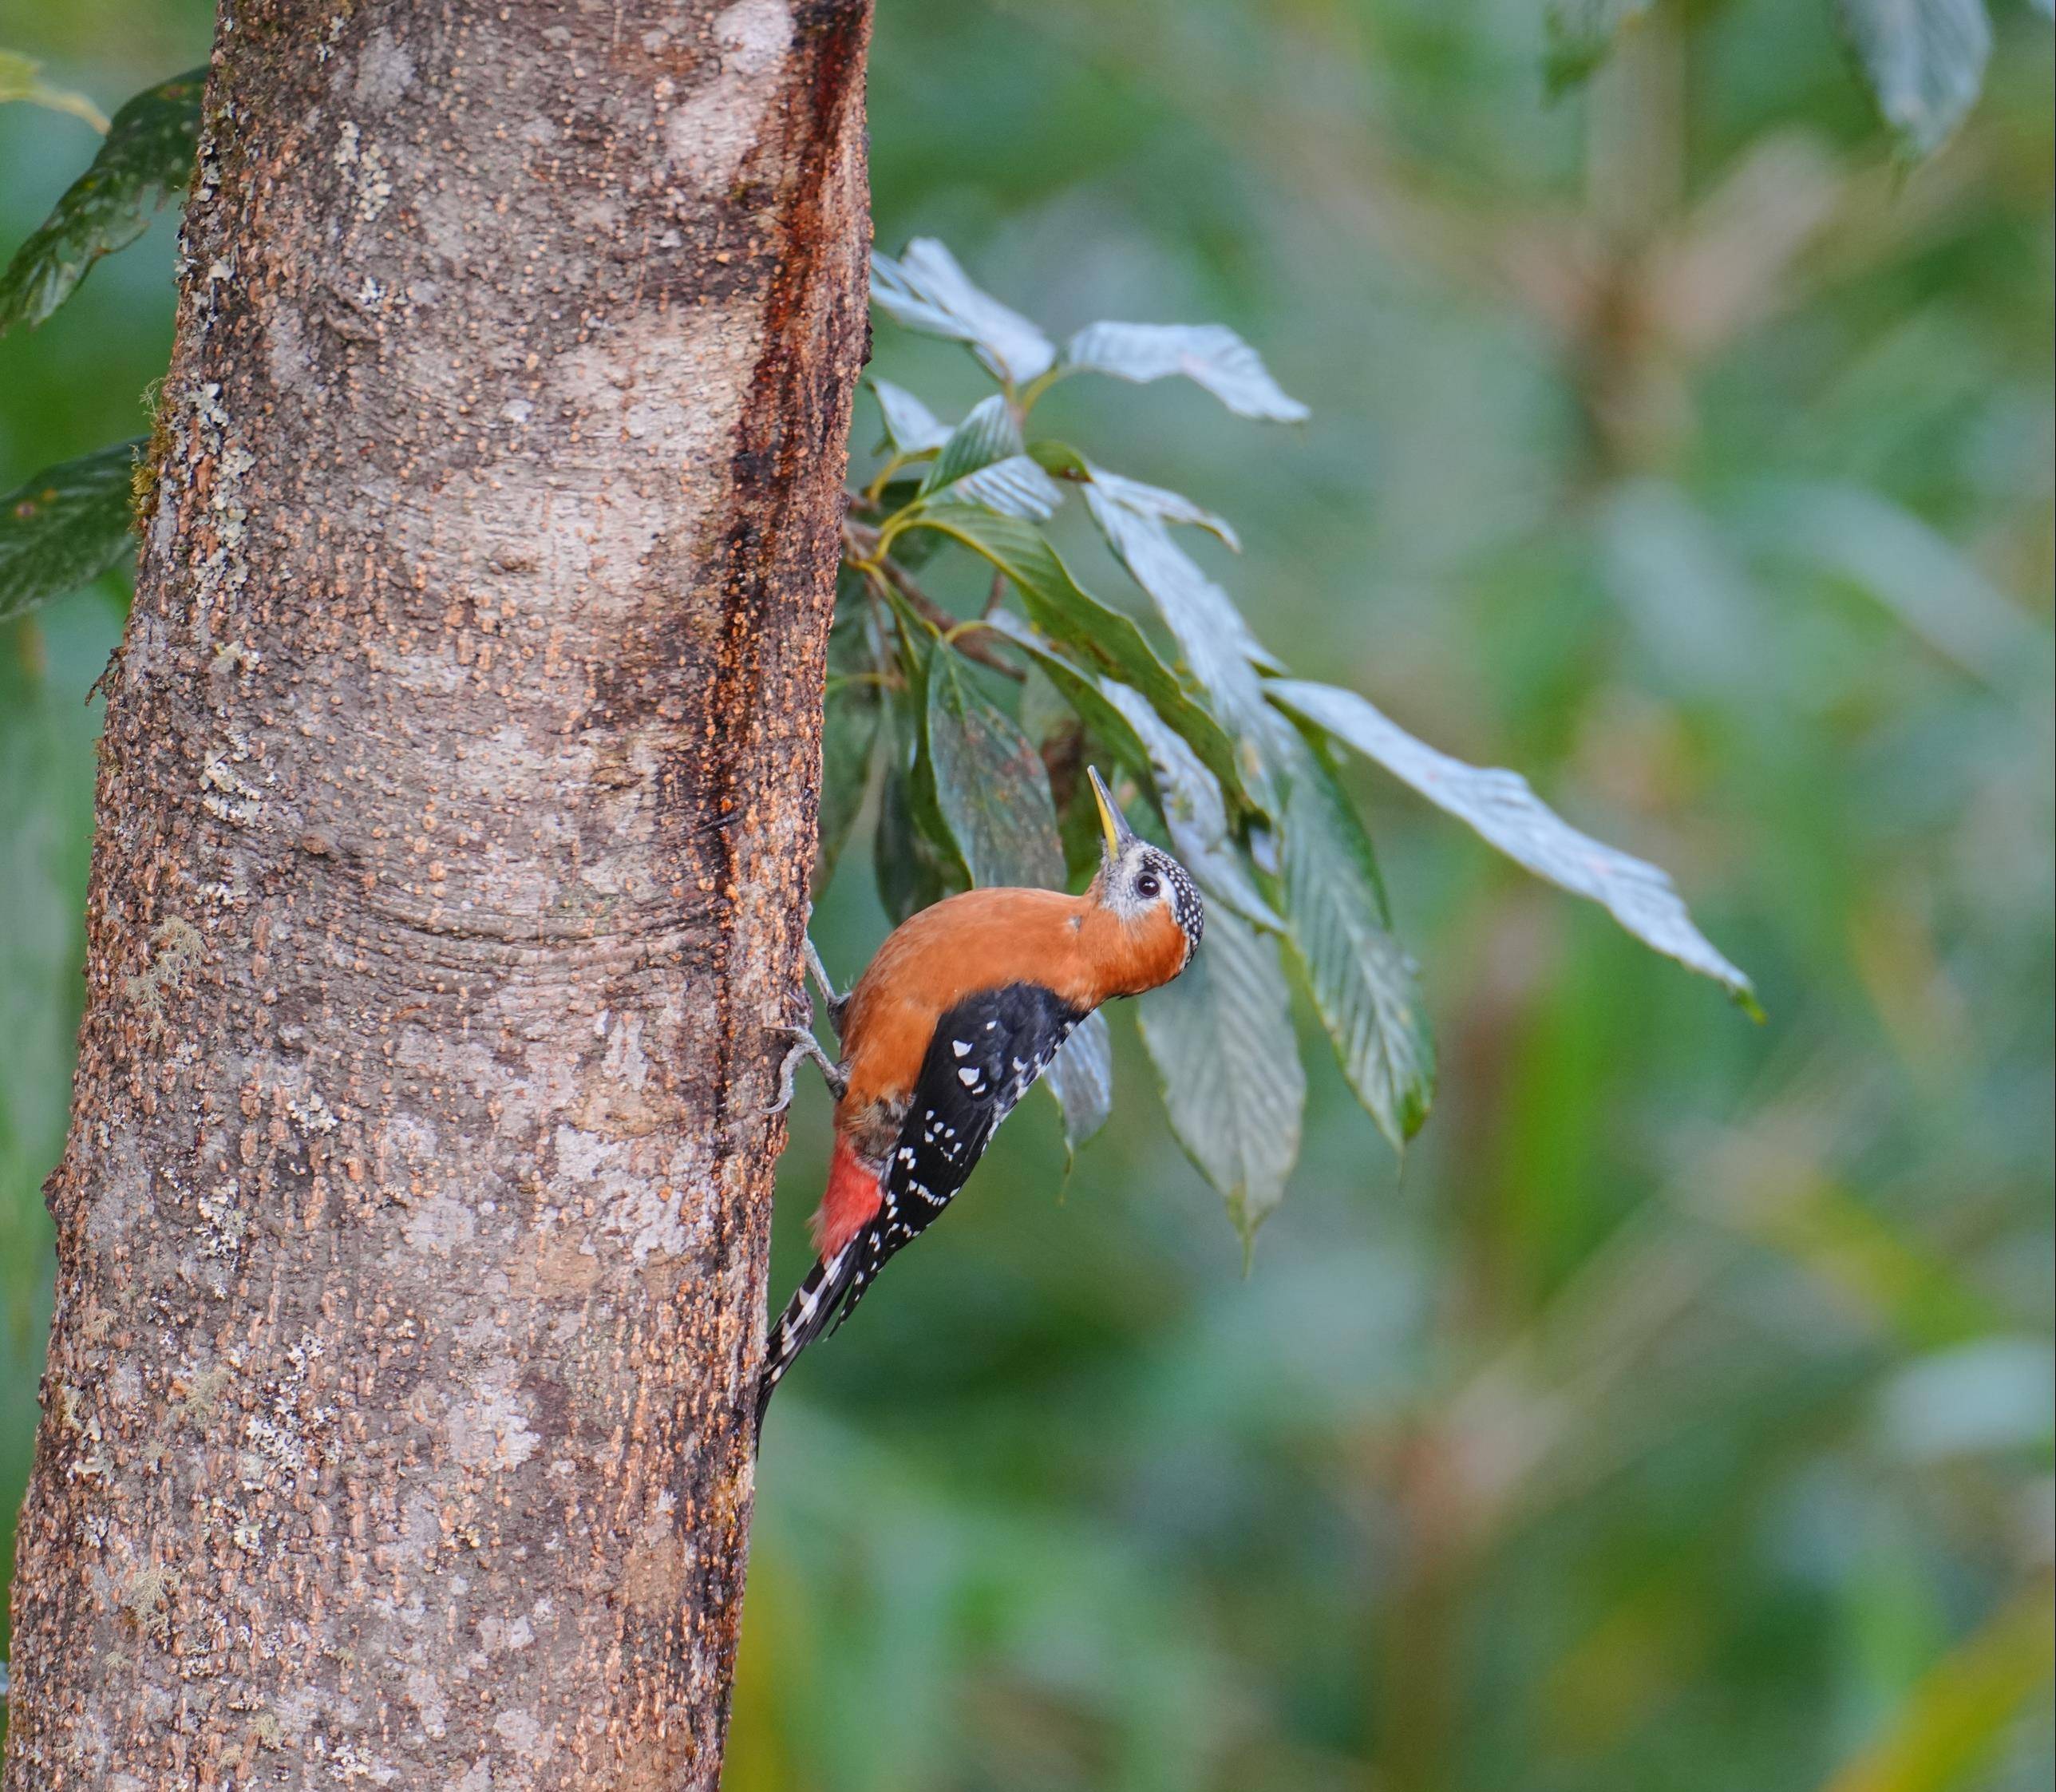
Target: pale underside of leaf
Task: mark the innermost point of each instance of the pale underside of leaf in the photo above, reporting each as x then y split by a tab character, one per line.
1193	811
1211	355
1080	1077
1220	1036
911	427
1211	634
982	462
1924	61
64	527
1155	501
1501	808
925	290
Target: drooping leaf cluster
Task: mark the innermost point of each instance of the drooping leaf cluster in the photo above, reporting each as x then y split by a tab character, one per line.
980	720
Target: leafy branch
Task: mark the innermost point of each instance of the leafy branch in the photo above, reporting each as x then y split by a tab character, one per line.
1219	755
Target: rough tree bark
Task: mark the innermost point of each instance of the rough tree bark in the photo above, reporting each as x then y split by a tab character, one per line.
454	826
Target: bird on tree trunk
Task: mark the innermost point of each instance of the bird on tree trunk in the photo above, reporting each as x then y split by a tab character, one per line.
961	1009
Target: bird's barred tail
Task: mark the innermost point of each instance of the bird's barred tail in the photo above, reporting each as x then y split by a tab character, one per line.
815	1303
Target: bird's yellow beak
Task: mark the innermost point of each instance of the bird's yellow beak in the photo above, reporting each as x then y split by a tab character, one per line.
1112	824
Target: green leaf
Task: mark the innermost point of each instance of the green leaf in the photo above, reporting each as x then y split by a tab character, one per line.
1923	60
990	788
926	289
1501	808
982	462
1014	487
1085	692
911	427
21	78
1209	630
146	159
912	871
65	526
1062	609
1155	502
1080	1077
1194	813
987	434
852	706
1211	355
1220	1036
1579	34
1360	977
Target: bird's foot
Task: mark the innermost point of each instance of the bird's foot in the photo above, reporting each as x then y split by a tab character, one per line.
805	1046
835	1004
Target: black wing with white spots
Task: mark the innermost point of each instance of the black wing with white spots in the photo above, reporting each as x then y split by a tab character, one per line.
986	1055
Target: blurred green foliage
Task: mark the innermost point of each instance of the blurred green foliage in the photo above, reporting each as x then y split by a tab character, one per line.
1679	1416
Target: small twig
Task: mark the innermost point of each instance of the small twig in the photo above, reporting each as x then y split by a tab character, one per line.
997	594
860	549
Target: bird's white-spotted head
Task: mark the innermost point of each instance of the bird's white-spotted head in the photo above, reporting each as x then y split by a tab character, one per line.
1141	885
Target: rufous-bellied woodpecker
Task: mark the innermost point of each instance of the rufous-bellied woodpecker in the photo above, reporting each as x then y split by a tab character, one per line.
963	1008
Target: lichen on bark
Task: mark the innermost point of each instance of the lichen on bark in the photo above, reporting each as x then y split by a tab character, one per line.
455	818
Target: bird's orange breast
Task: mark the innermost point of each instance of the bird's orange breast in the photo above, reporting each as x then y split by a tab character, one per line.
985	939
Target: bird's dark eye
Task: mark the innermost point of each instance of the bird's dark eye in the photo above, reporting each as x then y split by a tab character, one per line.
1146	885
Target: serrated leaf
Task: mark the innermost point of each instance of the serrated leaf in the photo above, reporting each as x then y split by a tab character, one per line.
1360	977
21	78
1080	1077
1580	35
1194	814
1211	355
1064	611
852	706
925	290
1923	60
911	427
1501	808
146	159
990	786
1211	634
1220	1036
64	527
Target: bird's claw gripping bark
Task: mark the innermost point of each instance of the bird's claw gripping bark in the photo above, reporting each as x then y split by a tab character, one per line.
834	1003
805	1046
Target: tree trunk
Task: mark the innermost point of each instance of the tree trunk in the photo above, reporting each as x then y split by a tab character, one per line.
455	818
